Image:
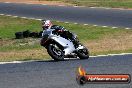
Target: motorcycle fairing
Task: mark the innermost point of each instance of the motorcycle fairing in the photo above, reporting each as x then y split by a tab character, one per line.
67	44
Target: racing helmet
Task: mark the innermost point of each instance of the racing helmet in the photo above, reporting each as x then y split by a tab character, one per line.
46	24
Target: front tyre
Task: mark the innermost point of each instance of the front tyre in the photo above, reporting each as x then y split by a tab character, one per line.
55	52
83	53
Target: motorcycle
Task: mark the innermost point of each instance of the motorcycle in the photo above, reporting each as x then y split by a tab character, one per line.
59	47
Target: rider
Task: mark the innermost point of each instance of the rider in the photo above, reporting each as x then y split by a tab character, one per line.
47	24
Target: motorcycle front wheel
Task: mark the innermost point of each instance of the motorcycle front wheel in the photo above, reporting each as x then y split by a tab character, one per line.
83	54
55	52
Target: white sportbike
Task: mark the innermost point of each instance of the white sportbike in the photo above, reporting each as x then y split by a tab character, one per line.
59	47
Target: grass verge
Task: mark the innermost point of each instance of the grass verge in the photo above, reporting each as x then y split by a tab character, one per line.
99	40
99	3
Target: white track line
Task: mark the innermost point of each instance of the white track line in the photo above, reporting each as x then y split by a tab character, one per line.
61	5
15	16
95	25
11	62
44	4
8	15
29	3
7	2
17	62
2	14
93	7
104	26
100	8
39	19
24	17
31	18
114	27
85	24
66	22
127	28
107	8
121	54
75	23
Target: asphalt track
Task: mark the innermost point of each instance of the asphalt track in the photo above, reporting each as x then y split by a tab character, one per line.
50	74
84	15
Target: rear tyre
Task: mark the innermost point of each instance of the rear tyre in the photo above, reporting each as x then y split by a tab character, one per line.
55	52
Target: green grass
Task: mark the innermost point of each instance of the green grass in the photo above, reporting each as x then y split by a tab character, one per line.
9	25
19	46
99	3
89	32
12	25
92	37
